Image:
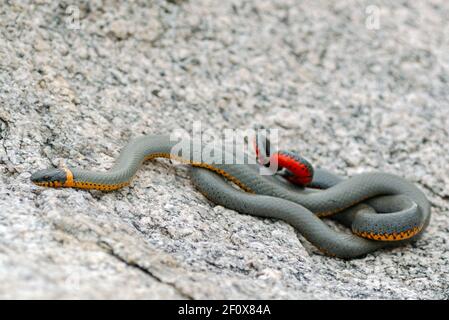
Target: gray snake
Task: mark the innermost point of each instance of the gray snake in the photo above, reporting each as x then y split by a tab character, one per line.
381	209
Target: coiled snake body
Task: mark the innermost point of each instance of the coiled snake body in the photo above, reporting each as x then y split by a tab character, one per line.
380	208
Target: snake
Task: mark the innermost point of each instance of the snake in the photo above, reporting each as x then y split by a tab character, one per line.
381	209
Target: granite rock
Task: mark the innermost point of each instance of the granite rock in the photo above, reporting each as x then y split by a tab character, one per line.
354	86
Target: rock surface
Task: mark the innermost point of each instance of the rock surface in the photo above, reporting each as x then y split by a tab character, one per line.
354	85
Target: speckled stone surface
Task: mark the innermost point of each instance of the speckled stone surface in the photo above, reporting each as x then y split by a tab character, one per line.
355	86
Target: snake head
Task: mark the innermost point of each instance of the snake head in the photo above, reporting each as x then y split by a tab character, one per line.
50	178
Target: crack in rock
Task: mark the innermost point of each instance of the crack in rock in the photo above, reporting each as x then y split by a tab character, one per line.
134	264
125	245
4	128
